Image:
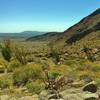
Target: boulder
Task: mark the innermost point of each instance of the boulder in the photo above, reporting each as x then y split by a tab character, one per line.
78	94
34	97
43	95
90	96
90	87
72	96
49	95
4	97
77	84
56	99
54	96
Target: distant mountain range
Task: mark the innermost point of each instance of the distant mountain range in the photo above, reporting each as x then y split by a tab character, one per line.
25	34
86	31
45	37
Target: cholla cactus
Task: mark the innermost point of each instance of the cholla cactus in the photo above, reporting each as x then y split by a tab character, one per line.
54	84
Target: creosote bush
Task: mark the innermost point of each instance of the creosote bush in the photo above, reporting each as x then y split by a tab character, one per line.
3	64
13	65
35	87
25	73
5	82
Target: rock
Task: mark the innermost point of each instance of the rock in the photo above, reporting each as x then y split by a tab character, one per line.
72	97
24	89
56	99
88	95
91	98
48	95
95	50
12	98
77	84
66	54
78	94
4	97
53	96
43	95
89	92
90	87
34	97
70	91
70	94
59	63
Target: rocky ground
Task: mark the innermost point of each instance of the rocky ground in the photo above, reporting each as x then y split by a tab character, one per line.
88	92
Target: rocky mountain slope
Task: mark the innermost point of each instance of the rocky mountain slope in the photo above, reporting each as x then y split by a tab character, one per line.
88	29
85	28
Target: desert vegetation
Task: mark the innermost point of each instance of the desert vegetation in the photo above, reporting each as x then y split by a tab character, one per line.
31	67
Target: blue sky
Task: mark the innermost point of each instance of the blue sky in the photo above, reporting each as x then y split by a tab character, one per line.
43	15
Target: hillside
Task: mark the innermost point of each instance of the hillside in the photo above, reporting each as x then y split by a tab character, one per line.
85	28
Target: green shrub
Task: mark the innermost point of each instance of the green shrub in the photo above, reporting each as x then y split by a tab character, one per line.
87	75
2	65
21	55
25	73
6	50
74	64
13	65
92	66
35	87
54	75
5	82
